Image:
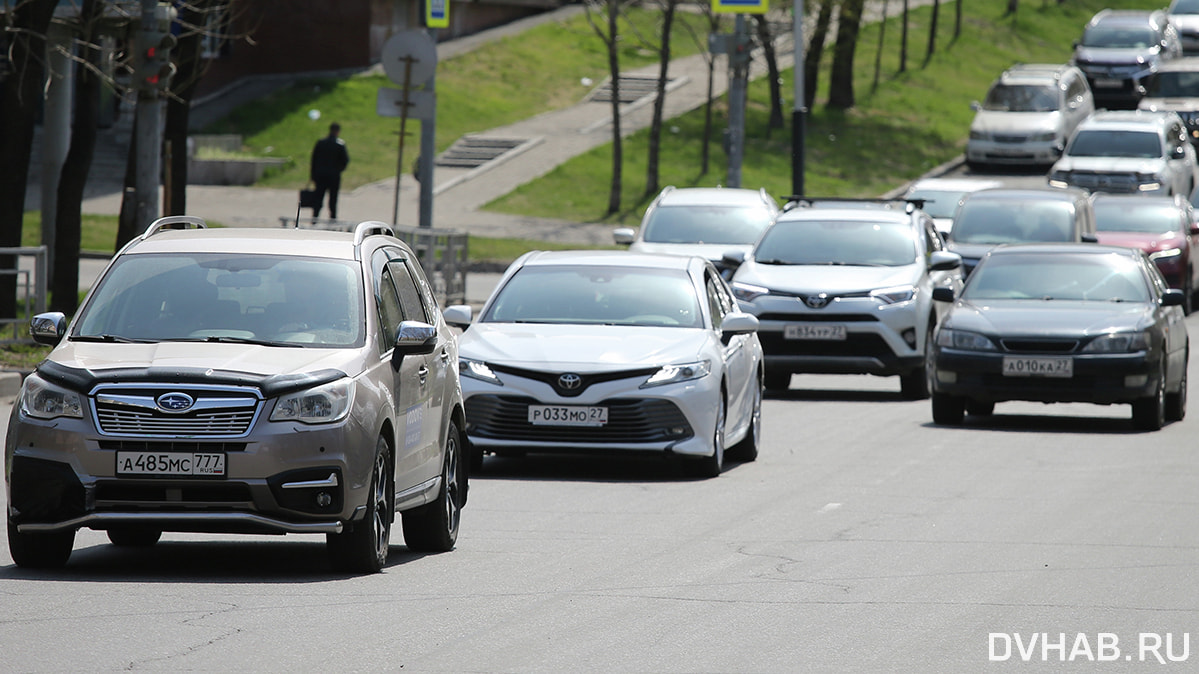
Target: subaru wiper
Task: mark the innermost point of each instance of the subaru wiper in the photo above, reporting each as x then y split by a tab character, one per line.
110	338
248	340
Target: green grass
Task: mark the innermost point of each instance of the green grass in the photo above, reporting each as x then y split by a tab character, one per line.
498	84
913	122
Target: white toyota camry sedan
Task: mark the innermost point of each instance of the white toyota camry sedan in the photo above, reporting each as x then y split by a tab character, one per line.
594	351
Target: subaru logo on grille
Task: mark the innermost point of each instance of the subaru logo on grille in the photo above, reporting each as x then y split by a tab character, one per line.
175	402
570	381
817	301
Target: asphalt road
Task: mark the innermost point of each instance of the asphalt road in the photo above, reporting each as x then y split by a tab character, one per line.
863	539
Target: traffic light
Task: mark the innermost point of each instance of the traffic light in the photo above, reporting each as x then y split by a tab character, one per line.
153	68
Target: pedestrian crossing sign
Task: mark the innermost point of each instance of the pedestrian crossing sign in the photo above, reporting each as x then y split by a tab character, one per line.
437	13
740	6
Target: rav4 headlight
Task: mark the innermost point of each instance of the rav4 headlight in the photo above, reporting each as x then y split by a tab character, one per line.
1118	342
320	405
747	292
894	295
673	374
967	341
42	400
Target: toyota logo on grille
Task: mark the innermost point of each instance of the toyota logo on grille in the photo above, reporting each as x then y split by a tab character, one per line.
570	381
175	402
817	301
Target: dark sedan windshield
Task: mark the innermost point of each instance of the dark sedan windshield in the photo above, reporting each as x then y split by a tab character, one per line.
987	221
706	224
1174	84
598	295
1044	276
852	242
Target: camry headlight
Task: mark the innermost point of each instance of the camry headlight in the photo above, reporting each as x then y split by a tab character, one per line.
894	295
42	400
477	369
673	374
1166	255
1118	342
1047	137
747	292
321	405
979	135
967	341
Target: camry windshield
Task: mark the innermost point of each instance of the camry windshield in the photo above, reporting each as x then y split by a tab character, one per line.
1174	84
1132	216
838	242
1045	276
706	224
1119	37
1021	98
1111	143
595	295
992	221
270	299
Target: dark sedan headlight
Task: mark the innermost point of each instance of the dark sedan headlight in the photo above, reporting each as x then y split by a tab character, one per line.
1118	342
747	292
477	369
673	374
966	341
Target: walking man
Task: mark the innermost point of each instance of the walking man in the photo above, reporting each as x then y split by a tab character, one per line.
329	159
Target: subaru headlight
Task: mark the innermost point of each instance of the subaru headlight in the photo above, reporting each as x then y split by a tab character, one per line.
320	405
1118	342
966	341
42	400
477	369
673	374
747	292
1167	255
894	295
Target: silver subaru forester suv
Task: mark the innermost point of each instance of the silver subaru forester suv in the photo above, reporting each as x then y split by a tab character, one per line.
243	381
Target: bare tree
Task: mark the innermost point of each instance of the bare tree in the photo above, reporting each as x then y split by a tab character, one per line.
903	39
815	51
932	33
655	126
878	54
68	227
849	22
608	12
26	23
766	40
957	21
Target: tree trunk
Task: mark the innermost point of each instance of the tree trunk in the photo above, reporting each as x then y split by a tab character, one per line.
957	21
878	54
189	67
64	286
655	126
841	76
614	71
705	155
811	65
932	33
127	225
773	74
1012	5
20	100
903	39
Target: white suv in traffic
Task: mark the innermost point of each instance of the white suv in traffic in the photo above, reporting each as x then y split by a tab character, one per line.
1129	152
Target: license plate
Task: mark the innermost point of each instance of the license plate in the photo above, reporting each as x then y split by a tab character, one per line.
815	331
1108	83
171	463
1038	367
567	415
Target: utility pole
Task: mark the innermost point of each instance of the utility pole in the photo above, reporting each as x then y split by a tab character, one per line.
152	70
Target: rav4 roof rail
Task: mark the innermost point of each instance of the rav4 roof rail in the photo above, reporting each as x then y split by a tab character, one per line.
174	222
370	227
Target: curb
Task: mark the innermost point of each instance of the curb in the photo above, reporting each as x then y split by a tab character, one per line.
10	383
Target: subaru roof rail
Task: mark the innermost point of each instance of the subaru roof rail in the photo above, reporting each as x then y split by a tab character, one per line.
370	228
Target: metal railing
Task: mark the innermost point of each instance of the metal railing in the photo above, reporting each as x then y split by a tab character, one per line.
442	253
32	290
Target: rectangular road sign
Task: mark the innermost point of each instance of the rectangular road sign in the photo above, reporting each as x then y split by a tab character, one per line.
390	103
437	13
740	6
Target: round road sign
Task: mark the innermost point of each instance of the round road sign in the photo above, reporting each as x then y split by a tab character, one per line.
410	46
